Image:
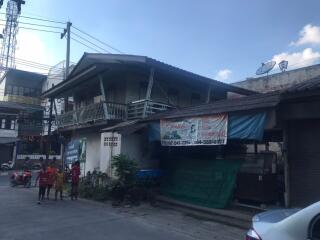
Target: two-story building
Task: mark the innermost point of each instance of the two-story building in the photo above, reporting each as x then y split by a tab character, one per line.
8	130
106	89
22	115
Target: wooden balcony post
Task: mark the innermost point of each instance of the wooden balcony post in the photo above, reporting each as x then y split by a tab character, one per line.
104	99
149	91
209	94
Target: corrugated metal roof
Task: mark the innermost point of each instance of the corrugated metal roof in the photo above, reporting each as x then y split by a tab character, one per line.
91	59
309	85
126	128
259	101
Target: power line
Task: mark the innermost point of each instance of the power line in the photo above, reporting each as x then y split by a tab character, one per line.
42	19
106	44
90	42
40	25
85	45
40	30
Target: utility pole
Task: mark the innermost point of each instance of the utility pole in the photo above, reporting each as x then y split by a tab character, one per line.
49	130
67	31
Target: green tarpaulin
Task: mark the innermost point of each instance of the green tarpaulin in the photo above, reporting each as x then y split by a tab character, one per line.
208	183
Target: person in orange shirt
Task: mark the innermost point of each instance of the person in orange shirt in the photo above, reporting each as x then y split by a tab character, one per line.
52	172
59	183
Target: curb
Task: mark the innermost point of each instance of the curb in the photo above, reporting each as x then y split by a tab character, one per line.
226	217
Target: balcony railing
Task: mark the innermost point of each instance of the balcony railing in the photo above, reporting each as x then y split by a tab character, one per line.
10	133
115	111
21	99
145	108
92	113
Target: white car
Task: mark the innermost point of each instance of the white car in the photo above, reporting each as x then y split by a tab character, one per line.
287	224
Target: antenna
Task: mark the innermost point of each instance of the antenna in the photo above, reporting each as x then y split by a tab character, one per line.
265	67
283	65
9	34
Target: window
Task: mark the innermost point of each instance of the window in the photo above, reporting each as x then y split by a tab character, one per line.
26	92
15	90
3	123
13	123
315	229
9	89
21	91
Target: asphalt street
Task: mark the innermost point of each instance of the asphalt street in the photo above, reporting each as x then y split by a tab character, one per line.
21	218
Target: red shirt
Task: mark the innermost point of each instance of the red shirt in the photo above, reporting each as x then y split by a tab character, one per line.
43	178
52	171
75	173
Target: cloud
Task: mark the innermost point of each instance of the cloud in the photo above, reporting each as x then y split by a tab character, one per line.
30	47
310	34
298	59
223	74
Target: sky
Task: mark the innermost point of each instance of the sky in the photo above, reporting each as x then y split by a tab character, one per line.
224	40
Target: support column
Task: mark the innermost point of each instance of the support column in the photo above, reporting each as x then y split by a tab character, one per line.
149	91
104	99
286	167
209	94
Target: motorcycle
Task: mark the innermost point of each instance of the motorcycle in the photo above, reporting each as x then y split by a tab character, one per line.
21	178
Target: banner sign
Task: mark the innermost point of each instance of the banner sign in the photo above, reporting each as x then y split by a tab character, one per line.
72	152
208	130
76	151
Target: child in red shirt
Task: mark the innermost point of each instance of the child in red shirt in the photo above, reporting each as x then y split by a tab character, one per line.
43	181
75	178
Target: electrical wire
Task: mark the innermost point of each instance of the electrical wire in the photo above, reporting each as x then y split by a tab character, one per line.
85	45
40	30
40	25
41	19
106	44
90	42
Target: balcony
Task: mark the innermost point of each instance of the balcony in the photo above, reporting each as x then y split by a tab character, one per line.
92	113
145	108
9	133
115	111
21	99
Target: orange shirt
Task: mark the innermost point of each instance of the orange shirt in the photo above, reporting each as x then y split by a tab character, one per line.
52	171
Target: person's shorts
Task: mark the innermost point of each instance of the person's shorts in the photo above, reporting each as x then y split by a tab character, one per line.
49	186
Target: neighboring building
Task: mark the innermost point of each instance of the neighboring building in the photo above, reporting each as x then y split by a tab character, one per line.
107	89
22	97
8	130
281	80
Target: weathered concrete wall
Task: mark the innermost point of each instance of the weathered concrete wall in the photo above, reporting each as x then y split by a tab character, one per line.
280	81
92	148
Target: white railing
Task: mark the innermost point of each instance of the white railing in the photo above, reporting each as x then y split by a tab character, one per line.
145	108
115	111
92	113
21	99
11	133
37	156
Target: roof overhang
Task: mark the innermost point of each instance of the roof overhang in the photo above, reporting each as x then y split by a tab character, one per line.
91	65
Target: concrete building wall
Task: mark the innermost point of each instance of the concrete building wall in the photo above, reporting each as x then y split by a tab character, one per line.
280	81
92	149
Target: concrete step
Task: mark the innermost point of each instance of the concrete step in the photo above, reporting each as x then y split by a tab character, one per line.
235	218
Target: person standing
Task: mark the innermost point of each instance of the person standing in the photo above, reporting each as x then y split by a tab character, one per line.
52	171
43	181
59	184
75	178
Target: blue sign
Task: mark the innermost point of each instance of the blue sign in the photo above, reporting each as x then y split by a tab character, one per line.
72	151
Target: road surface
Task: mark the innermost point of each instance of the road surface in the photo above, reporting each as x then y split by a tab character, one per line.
22	219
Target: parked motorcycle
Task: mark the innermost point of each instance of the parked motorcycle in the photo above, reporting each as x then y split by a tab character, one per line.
21	178
7	166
